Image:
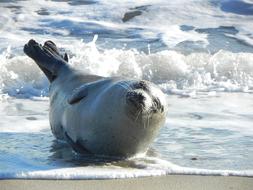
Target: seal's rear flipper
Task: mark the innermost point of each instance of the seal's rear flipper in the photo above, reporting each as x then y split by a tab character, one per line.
47	57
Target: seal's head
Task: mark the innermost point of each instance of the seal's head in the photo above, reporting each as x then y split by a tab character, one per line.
133	112
145	98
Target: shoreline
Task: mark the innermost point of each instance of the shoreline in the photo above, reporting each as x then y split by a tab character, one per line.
175	182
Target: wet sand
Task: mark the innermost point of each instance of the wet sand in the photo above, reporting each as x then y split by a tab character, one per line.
175	182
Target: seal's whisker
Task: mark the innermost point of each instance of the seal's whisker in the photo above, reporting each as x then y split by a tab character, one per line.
144	124
148	119
147	125
138	114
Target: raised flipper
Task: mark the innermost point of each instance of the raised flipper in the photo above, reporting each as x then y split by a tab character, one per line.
47	57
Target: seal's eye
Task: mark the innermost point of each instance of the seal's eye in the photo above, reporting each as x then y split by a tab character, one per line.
141	85
135	98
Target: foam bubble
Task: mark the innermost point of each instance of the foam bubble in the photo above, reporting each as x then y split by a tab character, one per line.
20	77
173	35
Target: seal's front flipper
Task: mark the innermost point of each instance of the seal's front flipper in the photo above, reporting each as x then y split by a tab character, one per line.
78	94
47	57
82	91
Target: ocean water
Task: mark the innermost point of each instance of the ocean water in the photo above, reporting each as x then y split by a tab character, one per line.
199	52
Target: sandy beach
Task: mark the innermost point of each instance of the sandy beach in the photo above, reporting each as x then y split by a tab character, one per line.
176	182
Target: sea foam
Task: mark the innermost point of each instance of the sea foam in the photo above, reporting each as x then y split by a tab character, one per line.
175	72
160	168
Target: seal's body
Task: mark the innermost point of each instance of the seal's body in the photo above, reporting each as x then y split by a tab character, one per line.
111	116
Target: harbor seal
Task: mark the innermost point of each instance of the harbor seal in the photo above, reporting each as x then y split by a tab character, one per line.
111	116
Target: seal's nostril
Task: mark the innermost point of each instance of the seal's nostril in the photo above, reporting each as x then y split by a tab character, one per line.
140	97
